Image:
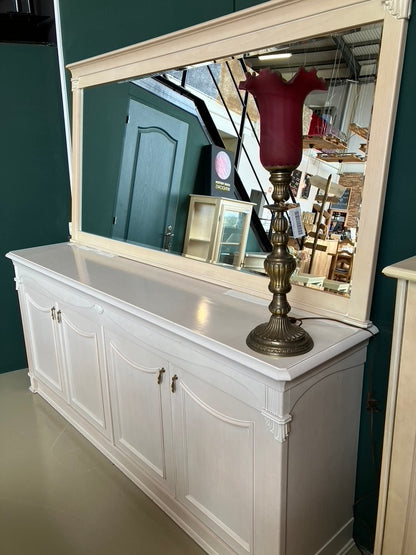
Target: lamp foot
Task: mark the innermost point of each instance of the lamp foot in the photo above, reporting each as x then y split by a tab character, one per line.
279	337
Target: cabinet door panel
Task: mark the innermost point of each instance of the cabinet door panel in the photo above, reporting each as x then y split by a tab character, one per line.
214	448
138	386
83	355
43	344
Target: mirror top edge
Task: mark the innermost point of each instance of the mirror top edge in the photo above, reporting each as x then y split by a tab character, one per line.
262	18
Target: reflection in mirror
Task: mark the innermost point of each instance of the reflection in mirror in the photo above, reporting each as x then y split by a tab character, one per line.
146	149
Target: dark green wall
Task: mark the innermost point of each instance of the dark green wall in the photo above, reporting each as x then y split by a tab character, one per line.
93	27
34	173
397	242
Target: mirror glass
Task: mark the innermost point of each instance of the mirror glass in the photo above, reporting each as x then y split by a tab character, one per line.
150	143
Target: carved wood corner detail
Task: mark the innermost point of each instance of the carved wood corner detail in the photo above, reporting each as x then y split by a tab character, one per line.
400	9
33	382
17	282
276	415
279	426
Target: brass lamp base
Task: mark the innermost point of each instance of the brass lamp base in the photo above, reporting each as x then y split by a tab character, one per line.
279	337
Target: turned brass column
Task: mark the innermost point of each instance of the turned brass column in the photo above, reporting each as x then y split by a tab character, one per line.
280	105
279	336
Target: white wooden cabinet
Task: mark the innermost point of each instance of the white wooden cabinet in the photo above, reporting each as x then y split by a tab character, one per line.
139	391
64	346
186	430
42	338
396	532
248	454
220	480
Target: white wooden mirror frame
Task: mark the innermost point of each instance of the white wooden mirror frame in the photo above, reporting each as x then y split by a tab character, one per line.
268	24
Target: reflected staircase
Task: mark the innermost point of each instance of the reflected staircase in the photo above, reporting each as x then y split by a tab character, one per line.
180	83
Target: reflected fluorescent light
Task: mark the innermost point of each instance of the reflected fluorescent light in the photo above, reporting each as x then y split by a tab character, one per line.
201	64
281	56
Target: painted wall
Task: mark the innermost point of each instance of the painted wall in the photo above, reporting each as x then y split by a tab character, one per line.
36	191
93	27
34	173
397	242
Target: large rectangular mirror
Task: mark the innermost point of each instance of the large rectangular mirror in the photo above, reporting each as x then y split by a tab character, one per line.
146	116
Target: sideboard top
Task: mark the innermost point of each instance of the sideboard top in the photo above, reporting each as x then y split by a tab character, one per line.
405	269
207	314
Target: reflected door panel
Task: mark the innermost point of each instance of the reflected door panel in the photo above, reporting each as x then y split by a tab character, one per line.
152	162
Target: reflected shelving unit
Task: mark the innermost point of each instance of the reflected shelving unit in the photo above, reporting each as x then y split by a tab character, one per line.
217	229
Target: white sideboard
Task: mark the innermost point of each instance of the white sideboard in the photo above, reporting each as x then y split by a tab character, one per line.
248	454
396	517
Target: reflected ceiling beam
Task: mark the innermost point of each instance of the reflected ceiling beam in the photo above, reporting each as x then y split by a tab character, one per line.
361	43
337	58
348	56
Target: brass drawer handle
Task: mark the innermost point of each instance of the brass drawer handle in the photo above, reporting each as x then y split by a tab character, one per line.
53	312
173	384
160	376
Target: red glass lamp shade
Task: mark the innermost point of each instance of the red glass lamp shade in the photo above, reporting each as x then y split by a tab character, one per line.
317	126
280	105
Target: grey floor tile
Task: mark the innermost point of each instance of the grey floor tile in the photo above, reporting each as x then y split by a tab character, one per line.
60	496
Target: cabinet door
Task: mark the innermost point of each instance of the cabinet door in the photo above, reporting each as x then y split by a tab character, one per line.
201	228
233	230
233	223
84	361
215	455
41	335
139	381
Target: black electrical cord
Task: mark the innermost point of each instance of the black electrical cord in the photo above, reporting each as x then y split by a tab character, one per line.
300	320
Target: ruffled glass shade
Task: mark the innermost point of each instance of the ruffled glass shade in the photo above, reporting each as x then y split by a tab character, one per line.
280	105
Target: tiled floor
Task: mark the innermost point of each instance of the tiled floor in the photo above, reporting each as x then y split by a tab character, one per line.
60	496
